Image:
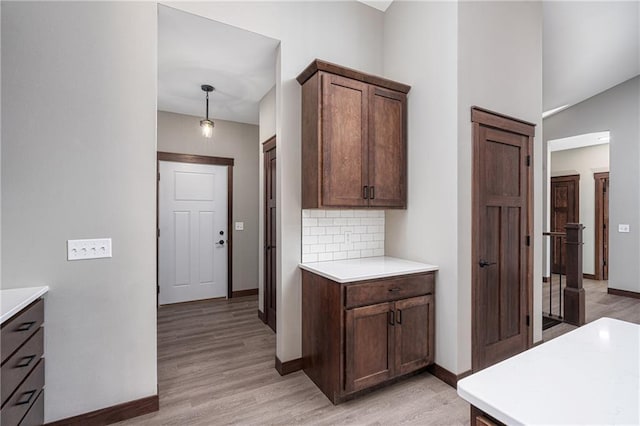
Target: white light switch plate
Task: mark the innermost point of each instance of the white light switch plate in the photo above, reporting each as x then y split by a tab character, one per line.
623	227
239	226
88	249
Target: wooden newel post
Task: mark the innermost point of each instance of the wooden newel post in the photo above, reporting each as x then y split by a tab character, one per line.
574	310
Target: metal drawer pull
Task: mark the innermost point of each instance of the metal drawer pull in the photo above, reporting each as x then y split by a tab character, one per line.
392	317
28	395
25	326
25	361
395	289
399	319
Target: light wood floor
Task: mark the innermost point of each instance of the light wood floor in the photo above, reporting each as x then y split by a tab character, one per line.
216	366
598	304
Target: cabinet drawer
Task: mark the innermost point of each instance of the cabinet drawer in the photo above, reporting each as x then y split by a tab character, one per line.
388	290
35	416
21	327
21	363
19	403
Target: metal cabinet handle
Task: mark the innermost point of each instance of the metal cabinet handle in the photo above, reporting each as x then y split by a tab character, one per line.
28	395
25	326
394	289
392	316
372	192
365	192
484	263
25	361
399	316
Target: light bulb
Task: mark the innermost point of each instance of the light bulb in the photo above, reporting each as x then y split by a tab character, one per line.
207	128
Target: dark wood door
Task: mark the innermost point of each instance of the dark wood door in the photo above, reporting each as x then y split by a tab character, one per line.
415	332
270	233
344	141
501	257
387	162
602	225
565	208
369	346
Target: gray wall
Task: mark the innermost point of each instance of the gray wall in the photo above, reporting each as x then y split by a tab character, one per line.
181	134
78	161
439	48
618	111
584	161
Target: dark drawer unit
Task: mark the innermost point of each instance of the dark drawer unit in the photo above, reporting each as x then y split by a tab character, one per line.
356	336
22	370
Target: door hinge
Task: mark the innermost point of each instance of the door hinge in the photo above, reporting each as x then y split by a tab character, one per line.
528	160
158	177
158	232
528	240
604	263
528	320
158	288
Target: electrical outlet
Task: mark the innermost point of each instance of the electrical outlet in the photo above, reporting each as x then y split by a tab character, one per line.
623	227
347	237
88	249
239	226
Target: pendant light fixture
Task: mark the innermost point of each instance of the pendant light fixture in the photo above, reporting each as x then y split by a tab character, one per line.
206	124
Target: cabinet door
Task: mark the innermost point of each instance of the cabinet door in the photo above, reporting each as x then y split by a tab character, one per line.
344	141
387	148
414	333
369	346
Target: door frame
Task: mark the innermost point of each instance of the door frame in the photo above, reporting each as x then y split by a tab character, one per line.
599	224
198	159
481	116
267	145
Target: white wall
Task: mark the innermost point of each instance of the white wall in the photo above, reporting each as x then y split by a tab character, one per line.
616	110
348	33
584	161
181	134
440	49
420	49
78	161
267	124
500	69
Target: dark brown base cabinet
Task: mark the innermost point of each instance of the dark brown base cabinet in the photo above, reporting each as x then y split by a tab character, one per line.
357	336
22	390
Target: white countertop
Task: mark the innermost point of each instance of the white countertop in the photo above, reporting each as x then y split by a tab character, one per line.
588	376
14	300
366	268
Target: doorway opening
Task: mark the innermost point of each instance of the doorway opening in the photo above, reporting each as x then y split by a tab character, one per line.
578	192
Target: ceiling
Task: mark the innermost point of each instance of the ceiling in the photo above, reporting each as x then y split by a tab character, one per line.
579	141
588	47
192	51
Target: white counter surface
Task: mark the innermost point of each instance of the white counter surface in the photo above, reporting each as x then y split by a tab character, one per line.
14	300
366	268
588	376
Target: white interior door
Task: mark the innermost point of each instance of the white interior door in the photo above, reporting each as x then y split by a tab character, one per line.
192	248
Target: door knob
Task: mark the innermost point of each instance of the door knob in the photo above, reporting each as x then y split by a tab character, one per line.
484	263
221	242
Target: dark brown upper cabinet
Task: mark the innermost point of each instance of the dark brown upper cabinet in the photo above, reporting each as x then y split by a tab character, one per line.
354	139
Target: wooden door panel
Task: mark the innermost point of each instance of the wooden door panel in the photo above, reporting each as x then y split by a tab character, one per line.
369	346
564	209
344	141
387	162
501	224
270	236
414	333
